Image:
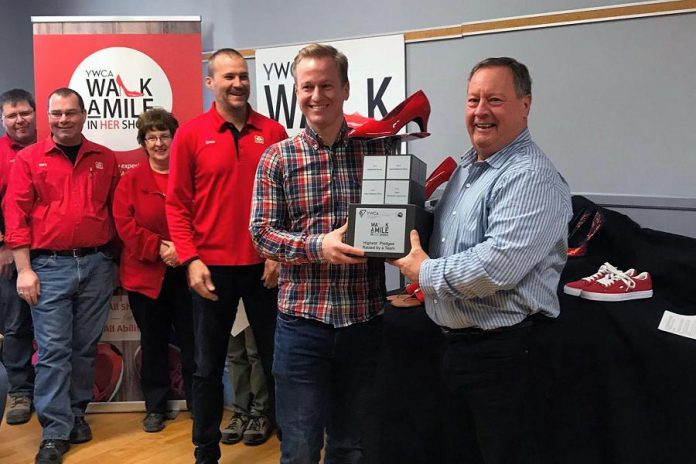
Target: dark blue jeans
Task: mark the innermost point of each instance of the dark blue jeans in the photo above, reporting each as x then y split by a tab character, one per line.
3	390
212	323
325	383
68	322
19	334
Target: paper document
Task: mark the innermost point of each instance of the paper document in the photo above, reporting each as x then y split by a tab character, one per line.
240	322
678	324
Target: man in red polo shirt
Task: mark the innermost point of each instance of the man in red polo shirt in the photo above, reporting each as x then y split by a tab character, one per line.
213	163
19	122
58	219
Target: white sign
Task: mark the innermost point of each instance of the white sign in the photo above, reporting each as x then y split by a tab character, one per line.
380	229
117	84
376	72
678	324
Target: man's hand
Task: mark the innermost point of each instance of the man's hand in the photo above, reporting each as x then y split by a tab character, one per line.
168	253
28	286
270	274
336	252
410	264
200	280
6	260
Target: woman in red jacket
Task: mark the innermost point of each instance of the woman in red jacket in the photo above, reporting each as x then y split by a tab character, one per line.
157	287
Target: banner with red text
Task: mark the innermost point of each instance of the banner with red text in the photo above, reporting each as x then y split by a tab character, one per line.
119	76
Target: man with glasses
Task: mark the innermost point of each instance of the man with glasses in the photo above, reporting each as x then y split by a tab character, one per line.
59	223
19	123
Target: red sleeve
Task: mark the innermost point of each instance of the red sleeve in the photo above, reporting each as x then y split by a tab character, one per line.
4	176
179	203
4	173
282	134
18	204
138	241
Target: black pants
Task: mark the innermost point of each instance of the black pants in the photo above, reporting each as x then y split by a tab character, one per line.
212	323
156	319
491	406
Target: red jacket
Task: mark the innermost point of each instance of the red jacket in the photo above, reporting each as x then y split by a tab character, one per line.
8	153
141	224
54	205
210	187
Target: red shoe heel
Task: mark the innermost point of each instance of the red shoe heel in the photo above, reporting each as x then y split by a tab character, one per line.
415	108
439	176
129	93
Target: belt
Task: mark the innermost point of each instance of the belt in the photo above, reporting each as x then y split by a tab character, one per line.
528	322
73	252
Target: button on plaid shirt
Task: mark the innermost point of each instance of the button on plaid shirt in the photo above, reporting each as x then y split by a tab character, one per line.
302	192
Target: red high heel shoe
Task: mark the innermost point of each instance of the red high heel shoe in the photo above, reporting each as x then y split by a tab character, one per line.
440	175
129	93
355	120
415	108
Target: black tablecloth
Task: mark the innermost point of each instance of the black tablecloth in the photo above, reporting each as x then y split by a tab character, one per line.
617	390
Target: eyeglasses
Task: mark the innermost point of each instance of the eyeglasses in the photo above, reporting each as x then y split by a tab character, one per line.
19	114
152	139
69	114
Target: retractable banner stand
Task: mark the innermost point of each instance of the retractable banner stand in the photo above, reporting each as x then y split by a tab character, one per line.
121	66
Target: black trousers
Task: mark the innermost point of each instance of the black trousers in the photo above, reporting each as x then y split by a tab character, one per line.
212	323
156	319
491	411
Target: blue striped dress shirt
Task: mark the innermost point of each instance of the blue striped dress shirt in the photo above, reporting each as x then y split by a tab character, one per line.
499	241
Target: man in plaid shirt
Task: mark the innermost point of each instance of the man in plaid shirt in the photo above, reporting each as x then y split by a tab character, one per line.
329	326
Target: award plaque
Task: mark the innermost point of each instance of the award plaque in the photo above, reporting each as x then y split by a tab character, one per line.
391	205
383	231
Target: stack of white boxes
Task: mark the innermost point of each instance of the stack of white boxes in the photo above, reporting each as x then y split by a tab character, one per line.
393	180
391	204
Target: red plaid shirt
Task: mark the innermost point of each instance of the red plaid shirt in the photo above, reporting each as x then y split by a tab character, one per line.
302	192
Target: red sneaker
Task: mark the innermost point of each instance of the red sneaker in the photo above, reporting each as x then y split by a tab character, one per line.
619	287
576	287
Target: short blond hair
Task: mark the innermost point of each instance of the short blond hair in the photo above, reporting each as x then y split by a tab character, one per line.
316	50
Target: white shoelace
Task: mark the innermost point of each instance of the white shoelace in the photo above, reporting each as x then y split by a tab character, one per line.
615	276
603	270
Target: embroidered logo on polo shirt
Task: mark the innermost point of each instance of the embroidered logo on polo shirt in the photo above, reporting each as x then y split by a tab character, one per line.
43	165
258	138
209	142
99	165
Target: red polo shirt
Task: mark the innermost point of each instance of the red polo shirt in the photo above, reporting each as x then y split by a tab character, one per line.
142	225
54	205
210	187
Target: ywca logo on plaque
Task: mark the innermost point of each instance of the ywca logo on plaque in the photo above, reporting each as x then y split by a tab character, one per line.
118	84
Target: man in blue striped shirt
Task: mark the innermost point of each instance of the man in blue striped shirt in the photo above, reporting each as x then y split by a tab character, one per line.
498	248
